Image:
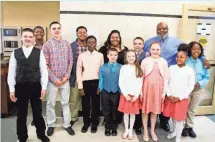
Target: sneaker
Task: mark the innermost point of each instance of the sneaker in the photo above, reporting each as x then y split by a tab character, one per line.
185	132
171	135
191	133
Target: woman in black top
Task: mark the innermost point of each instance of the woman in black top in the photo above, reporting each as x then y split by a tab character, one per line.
114	41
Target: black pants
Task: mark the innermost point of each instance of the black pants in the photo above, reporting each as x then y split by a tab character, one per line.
138	121
25	92
109	108
163	120
90	91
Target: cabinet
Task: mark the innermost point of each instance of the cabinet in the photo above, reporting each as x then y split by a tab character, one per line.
6	103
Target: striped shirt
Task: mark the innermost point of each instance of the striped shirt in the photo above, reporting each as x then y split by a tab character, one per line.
81	49
59	59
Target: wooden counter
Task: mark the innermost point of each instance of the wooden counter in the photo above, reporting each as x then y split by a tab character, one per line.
6	103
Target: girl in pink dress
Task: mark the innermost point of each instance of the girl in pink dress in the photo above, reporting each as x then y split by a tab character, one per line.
130	83
154	87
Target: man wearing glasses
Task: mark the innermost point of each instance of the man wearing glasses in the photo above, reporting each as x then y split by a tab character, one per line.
169	47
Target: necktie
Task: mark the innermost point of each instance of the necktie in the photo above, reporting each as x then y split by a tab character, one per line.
112	68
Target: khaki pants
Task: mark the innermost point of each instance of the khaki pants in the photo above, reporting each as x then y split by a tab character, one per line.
64	92
194	100
75	102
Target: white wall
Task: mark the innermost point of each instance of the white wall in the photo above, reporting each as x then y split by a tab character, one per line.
129	26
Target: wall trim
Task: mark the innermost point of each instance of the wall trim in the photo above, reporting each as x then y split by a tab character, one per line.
135	14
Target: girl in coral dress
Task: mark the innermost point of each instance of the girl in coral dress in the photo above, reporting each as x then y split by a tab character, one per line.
154	88
130	83
180	85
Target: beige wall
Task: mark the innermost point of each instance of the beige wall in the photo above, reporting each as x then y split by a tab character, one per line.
129	26
30	13
132	26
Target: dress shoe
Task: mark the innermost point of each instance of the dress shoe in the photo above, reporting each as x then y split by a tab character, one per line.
138	131
22	141
185	132
93	129
85	128
166	127
72	122
114	132
107	132
32	123
43	138
50	131
70	131
191	133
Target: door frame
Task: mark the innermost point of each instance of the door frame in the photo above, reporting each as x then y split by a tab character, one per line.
202	110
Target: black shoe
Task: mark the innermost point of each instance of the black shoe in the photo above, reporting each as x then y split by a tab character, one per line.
166	127
138	131
191	133
32	123
107	132
72	122
85	128
93	129
22	140
70	131
43	138
50	131
114	132
185	132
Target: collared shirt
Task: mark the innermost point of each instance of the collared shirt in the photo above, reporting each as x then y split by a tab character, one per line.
39	46
13	65
59	60
88	66
202	74
142	55
169	48
81	49
139	53
76	50
112	66
128	82
121	54
181	81
109	77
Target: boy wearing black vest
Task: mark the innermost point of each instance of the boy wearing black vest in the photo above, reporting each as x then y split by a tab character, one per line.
27	80
110	91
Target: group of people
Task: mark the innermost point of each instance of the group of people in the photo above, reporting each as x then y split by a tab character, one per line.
161	76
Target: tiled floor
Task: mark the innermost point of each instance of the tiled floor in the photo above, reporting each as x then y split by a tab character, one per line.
204	127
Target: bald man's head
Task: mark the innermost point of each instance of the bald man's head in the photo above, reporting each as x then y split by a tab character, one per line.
162	30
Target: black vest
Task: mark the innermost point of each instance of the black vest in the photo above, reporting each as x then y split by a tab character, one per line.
28	69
